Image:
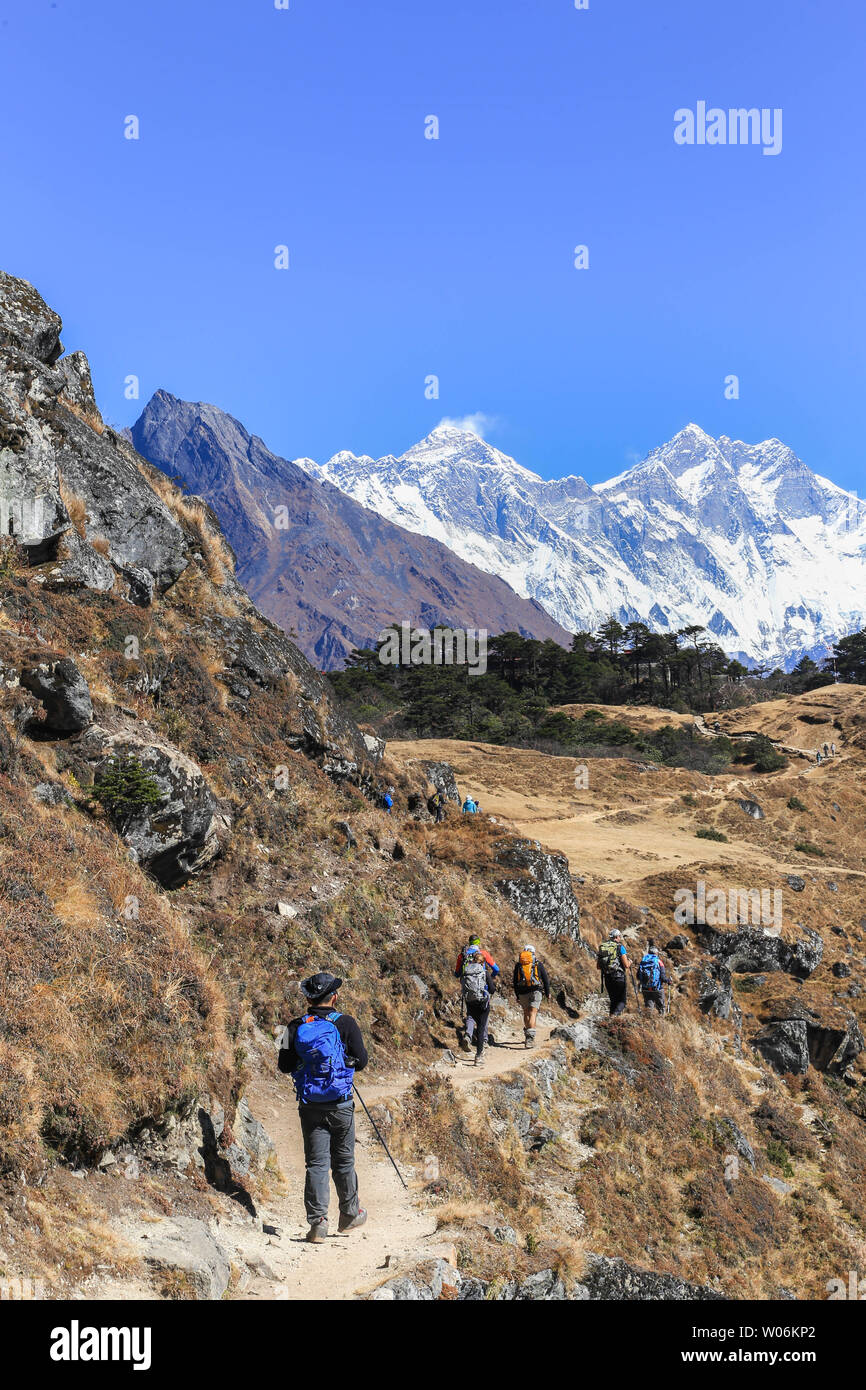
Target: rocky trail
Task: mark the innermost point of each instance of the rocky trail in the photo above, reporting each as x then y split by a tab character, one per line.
400	1230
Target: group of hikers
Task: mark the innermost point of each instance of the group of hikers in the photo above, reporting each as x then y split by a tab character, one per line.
438	804
439	801
650	977
323	1049
479	977
829	752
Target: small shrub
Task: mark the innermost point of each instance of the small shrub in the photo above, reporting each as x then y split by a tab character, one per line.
779	1156
706	832
125	790
795	804
806	847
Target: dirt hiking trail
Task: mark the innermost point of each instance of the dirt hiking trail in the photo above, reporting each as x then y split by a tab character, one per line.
399	1230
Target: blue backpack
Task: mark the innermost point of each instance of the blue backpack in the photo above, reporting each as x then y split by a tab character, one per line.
323	1074
649	972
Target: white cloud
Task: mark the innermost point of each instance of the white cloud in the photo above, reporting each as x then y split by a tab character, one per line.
479	423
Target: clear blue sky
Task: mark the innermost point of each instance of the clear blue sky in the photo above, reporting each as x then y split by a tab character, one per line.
455	257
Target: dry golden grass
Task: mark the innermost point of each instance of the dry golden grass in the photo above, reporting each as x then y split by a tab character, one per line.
76	508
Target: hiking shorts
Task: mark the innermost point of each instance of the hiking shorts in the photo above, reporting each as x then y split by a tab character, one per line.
530	998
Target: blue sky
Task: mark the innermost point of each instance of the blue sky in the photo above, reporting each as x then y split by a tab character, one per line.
454	257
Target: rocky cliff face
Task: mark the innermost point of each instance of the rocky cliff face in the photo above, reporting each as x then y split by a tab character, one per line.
318	563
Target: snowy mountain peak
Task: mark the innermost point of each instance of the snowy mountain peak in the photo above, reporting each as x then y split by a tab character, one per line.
743	539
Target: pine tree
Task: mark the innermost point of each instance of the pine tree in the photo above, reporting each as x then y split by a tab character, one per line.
125	789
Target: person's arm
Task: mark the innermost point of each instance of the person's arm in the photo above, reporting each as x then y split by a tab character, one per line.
459	966
545	980
516	979
626	963
353	1043
288	1060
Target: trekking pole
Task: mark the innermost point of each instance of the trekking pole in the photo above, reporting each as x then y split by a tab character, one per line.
378	1135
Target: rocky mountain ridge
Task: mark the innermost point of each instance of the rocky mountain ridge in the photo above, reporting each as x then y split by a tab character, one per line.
743	539
315	561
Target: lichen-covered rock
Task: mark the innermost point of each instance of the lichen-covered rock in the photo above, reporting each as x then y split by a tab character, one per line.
793	1044
264	655
186	1246
540	890
177	837
26	320
56	460
63	692
715	990
785	1045
614	1280
375	747
752	950
443	779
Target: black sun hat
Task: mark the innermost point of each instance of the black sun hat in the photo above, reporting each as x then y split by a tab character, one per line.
320	986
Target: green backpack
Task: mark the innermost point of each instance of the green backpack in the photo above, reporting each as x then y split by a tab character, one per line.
608	955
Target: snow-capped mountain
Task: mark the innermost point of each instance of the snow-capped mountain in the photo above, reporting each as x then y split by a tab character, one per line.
744	539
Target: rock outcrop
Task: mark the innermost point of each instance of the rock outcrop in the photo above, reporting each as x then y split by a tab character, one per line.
539	888
752	950
63	692
793	1044
603	1280
176	837
70	489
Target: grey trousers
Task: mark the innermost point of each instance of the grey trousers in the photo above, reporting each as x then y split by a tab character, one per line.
329	1147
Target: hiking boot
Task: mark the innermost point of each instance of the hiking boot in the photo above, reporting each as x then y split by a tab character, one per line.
464	1043
318	1231
479	1057
528	1037
351	1223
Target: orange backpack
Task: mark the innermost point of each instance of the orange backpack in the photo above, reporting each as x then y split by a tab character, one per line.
529	968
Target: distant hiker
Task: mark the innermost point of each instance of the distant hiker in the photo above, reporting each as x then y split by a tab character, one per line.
387	802
470	807
438	804
832	750
321	1051
613	963
826	750
818	757
530	982
476	983
652	977
717	726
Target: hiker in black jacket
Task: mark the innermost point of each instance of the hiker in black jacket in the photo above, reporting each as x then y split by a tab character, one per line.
531	981
321	1051
613	962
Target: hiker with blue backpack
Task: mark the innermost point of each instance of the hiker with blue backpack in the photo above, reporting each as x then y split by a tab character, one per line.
652	978
321	1051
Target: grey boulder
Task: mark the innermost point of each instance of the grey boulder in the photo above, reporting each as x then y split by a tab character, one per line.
539	888
62	691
